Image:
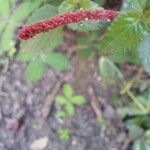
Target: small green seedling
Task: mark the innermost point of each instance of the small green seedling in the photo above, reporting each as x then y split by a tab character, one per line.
64	134
69	101
101	121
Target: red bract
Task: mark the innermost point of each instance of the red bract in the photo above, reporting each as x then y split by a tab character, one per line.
30	31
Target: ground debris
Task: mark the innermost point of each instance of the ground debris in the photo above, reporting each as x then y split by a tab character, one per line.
94	102
39	144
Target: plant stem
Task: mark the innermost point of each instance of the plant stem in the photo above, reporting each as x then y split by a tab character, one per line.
148	104
136	101
128	85
127	88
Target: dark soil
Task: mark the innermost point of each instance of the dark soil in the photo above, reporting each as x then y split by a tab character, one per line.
22	122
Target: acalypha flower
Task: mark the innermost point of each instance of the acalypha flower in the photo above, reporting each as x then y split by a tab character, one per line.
29	31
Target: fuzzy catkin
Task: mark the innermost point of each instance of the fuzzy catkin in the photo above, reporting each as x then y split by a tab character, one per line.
29	31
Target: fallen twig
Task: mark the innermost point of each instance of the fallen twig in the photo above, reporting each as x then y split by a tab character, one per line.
50	98
126	144
94	102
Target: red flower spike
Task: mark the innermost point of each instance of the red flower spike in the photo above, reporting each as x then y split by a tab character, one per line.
30	31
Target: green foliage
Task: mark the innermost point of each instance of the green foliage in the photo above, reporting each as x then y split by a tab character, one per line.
135	131
145	52
146	21
129	27
25	56
143	140
56	60
89	43
109	72
101	121
68	91
125	33
34	70
100	2
54	2
140	5
129	110
122	57
140	145
40	43
147	136
137	120
69	101
143	121
136	113
64	134
139	106
10	20
25	9
40	49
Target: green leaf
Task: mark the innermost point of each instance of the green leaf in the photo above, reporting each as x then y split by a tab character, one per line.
64	134
123	57
101	121
4	7
8	23
11	51
137	4
135	131
72	5
7	38
44	41
109	72
125	33
12	2
100	2
54	2
128	111
147	136
34	70
25	56
146	20
68	91
139	145
69	109
85	53
60	100
78	100
144	50
45	12
61	114
2	25
87	4
24	9
140	4
57	61
67	6
142	120
147	5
